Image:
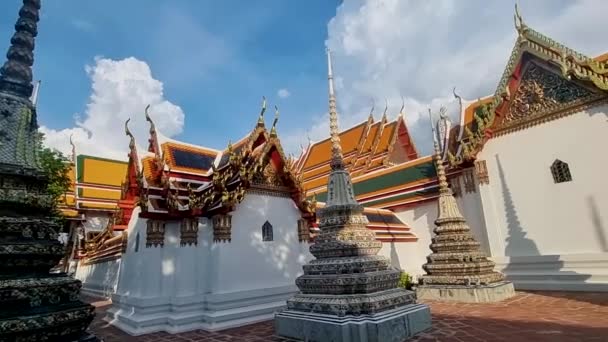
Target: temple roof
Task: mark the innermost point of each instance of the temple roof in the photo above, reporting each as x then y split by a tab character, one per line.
537	67
393	186
367	146
95	185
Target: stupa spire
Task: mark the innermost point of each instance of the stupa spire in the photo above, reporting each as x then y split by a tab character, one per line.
337	160
16	73
457	261
340	188
347	279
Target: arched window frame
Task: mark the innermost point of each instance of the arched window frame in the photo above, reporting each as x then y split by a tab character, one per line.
560	171
267	234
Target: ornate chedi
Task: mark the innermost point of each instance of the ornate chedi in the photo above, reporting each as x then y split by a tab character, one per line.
458	269
34	304
348	293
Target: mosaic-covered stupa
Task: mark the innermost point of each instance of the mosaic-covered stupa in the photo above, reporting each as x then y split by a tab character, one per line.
457	269
35	305
348	293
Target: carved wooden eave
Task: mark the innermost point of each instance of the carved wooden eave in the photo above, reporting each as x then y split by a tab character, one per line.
542	76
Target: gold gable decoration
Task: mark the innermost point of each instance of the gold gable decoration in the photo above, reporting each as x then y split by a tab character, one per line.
540	93
569	64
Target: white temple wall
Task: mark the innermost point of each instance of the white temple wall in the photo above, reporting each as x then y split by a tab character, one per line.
547	235
99	279
248	262
168	271
213	285
410	256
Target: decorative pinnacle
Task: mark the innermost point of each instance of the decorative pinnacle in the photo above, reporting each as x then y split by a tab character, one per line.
261	117
402	106
441	176
456	96
520	26
337	161
149	119
73	148
129	134
371	112
16	74
385	109
273	130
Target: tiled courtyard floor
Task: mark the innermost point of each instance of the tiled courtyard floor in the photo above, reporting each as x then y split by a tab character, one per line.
530	316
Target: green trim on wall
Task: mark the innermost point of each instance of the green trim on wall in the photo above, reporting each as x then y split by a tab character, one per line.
429	191
389	180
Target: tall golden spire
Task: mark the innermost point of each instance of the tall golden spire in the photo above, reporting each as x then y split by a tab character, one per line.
337	161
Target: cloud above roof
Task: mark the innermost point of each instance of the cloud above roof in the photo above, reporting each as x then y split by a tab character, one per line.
121	89
422	49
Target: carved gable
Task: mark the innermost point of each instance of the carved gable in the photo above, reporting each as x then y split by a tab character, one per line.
542	93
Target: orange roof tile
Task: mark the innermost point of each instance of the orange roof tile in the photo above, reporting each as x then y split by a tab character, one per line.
321	152
371	136
386	137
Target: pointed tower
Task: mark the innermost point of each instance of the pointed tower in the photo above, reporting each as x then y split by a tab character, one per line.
457	269
348	293
36	305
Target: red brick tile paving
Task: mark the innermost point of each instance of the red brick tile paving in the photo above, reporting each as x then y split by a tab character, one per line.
529	316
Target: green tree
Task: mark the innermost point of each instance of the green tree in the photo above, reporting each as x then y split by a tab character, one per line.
57	168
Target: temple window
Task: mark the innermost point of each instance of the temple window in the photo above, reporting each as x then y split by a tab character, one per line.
266	231
560	171
137	242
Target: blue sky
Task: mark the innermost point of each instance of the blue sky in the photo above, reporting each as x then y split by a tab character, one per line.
215	58
204	65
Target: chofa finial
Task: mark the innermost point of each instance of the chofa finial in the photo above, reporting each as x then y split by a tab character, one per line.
518	20
385	109
273	131
261	118
127	131
456	96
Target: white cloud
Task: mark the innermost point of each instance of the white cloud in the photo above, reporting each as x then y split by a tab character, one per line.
120	90
283	93
421	49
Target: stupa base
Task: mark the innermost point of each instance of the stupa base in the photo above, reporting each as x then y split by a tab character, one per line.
394	325
467	294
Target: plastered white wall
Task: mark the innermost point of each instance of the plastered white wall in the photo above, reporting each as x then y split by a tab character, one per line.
247	262
527	213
